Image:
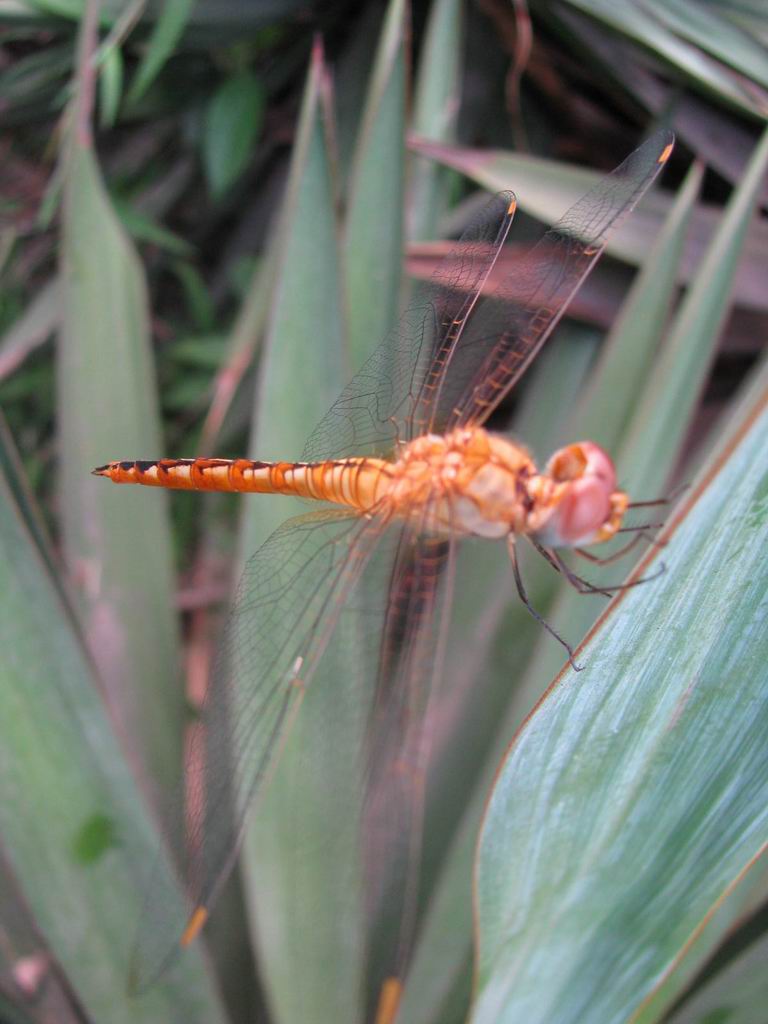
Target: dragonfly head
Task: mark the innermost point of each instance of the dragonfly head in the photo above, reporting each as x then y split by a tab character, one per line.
587	508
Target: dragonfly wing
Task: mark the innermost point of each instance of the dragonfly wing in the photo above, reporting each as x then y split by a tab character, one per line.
403	719
288	603
508	327
386	401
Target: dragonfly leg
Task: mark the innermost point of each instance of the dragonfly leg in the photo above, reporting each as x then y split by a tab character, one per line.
539	618
620	552
672	496
584	586
640	528
577	582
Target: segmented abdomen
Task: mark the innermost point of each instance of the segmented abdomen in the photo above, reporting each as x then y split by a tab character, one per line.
355	482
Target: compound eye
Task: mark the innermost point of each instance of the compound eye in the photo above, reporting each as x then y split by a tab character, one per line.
585	506
583	459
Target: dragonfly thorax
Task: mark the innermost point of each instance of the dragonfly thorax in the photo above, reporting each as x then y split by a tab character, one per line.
472	482
465	482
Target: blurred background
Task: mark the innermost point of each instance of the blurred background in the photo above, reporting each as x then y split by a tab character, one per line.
210	214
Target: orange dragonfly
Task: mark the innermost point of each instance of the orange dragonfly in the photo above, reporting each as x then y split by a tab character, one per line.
408	469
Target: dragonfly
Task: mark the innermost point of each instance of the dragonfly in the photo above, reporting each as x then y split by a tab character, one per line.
404	468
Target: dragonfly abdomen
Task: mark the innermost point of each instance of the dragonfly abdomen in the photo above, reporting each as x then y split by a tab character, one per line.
352	482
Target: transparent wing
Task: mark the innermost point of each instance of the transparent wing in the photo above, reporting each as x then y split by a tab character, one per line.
288	603
326	595
508	327
387	400
404	713
458	352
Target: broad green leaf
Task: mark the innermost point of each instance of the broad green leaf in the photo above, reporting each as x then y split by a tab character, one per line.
301	854
635	795
116	540
374	231
165	35
74	834
233	123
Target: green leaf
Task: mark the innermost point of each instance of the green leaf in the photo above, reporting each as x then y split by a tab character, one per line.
144	228
352	70
308	804
606	407
110	86
639	24
634	797
712	32
436	108
35	325
200	352
232	126
374	227
165	35
74	834
19	487
723	930
116	541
